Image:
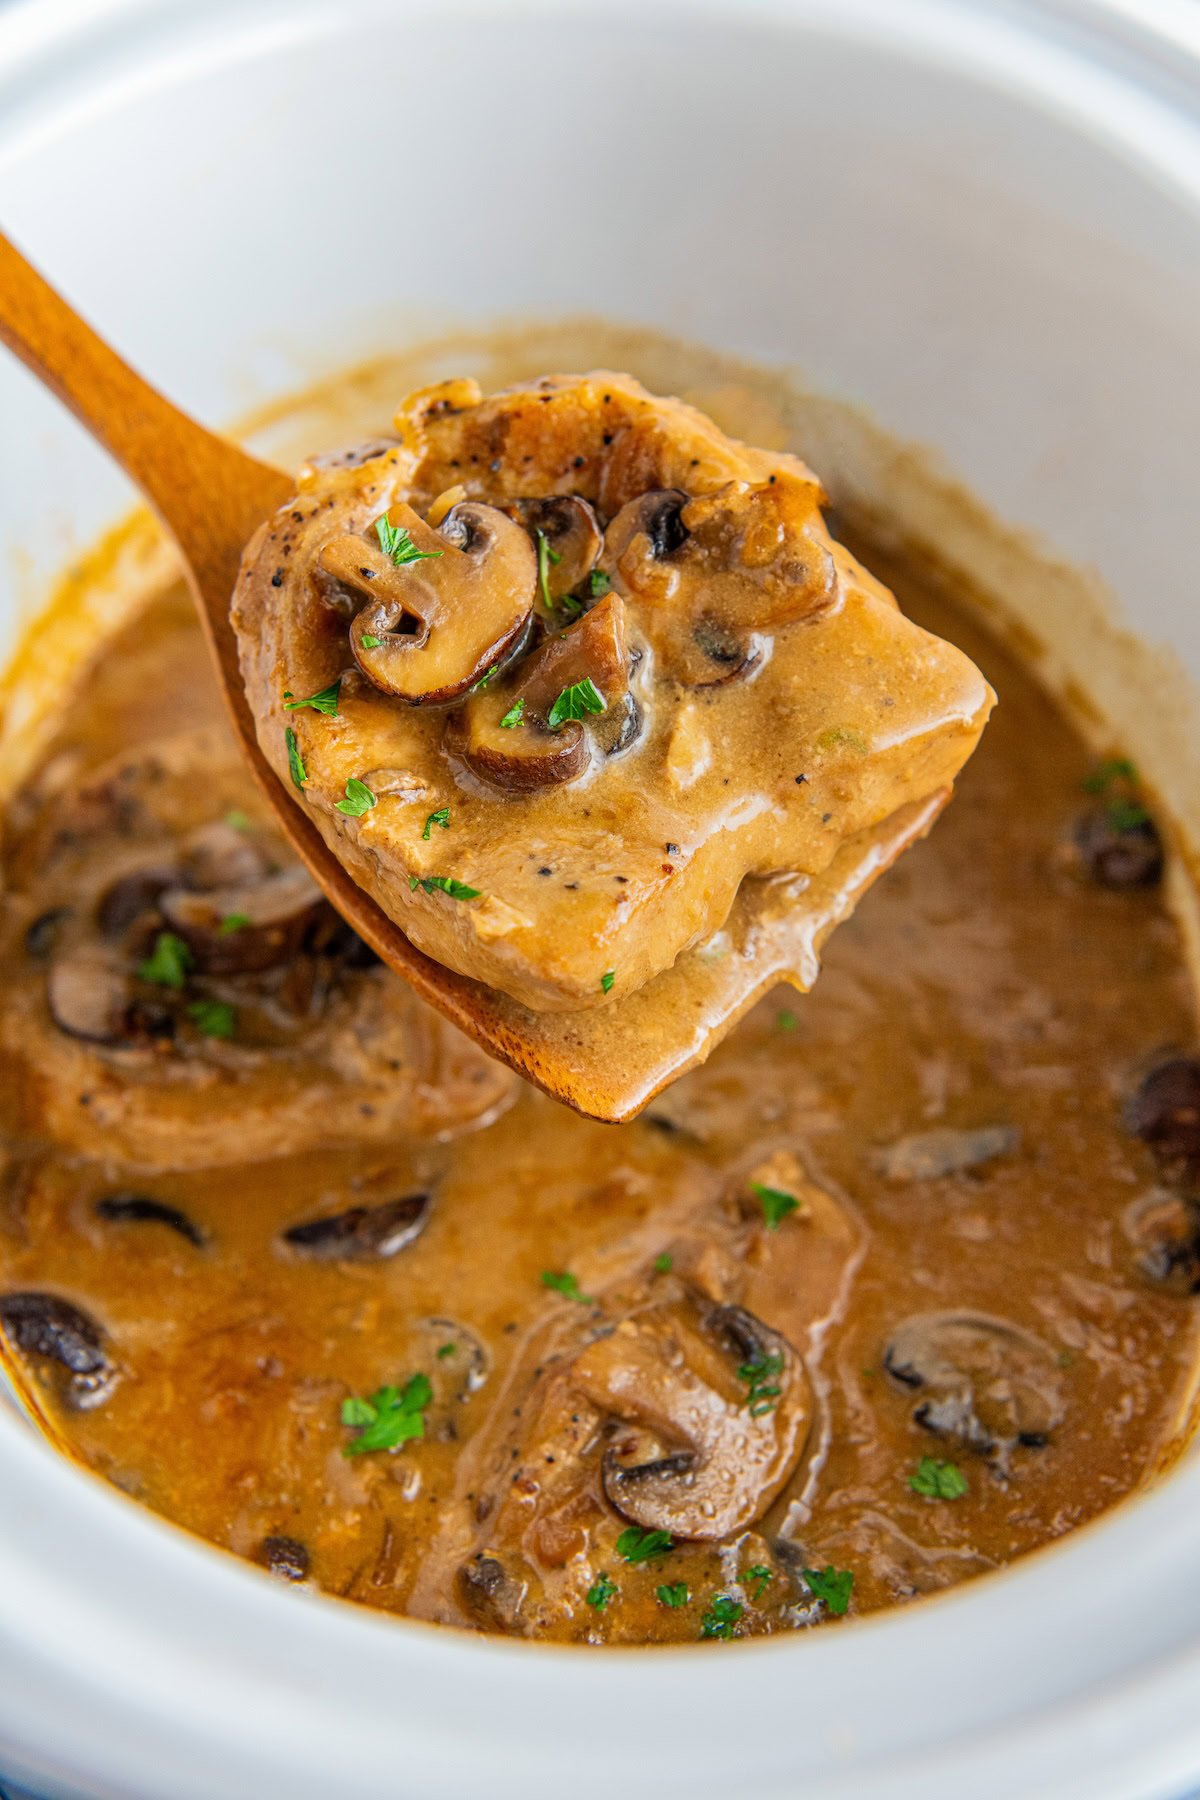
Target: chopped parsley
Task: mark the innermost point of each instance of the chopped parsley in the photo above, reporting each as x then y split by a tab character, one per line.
575	702
296	766
758	1577
514	715
545	556
395	542
720	1616
233	922
445	1350
440	817
831	1585
1126	815
168	962
664	1262
607	979
673	1593
598	583
567	1285
1113	768
938	1480
237	820
213	1018
390	1417
638	1546
786	1021
444	884
368	642
776	1205
359	799
483	679
324	702
602	1589
762	1390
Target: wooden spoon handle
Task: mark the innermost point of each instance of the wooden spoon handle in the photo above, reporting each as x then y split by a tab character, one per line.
209	494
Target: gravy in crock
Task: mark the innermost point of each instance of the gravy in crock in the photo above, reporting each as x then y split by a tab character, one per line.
893	1290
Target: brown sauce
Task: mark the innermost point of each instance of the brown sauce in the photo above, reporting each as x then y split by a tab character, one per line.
989	991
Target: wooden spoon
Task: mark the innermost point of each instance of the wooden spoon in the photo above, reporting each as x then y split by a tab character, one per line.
606	1062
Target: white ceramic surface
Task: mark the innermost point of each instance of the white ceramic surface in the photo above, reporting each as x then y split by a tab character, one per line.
981	218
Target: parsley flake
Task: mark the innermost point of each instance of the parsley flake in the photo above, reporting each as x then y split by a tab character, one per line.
232	922
484	679
664	1262
1113	768
390	1417
168	962
359	799
938	1480
440	817
445	1350
673	1593
776	1205
296	766
762	1390
831	1585
607	979
575	702
598	583
237	820
567	1285
444	884
602	1589
545	556
786	1021
758	1577
369	642
395	541
1126	815
720	1616
638	1546
514	715
324	702
213	1018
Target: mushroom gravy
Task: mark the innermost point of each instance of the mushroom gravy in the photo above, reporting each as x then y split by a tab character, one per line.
896	1288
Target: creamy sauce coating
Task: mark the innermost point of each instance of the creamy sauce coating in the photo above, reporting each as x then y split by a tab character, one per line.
946	1106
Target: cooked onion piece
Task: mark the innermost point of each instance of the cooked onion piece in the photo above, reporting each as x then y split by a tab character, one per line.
617	649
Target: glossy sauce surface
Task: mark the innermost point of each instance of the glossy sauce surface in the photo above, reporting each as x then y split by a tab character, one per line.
990	992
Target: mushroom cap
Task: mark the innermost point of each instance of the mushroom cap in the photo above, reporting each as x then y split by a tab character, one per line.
438	624
703	1460
574	541
270	917
983	1380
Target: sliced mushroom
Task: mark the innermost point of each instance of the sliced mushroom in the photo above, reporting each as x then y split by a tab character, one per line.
218	855
701	1462
1165	1111
715	571
1164	1229
526	753
1118	854
928	1155
439	624
490	1594
48	1329
984	1382
240	930
285	1557
90	995
573	538
363	1232
132	897
143	1209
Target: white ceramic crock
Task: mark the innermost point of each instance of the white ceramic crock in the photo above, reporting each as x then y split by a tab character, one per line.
982	220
